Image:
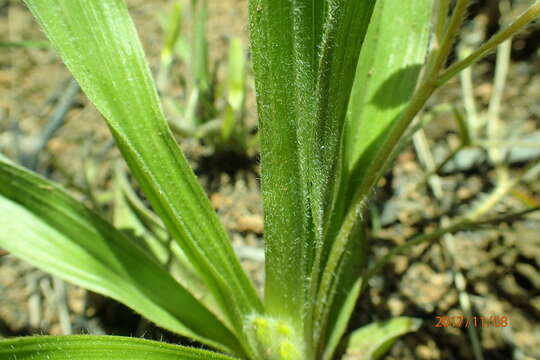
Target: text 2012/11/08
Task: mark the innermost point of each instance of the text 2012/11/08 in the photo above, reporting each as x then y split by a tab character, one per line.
475	321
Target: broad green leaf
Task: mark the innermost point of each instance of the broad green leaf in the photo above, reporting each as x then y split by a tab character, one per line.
304	54
344	30
99	44
43	225
388	69
88	347
373	341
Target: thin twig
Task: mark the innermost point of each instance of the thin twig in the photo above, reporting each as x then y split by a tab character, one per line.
473	121
494	125
425	155
470	220
529	15
436	171
62	305
455	226
30	155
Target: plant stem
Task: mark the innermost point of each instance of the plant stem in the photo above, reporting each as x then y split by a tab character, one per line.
525	18
494	124
473	121
441	12
454	25
439	167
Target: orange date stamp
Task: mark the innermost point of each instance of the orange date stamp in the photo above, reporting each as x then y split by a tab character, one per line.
472	321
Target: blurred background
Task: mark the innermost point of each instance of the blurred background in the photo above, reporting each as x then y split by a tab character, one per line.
478	133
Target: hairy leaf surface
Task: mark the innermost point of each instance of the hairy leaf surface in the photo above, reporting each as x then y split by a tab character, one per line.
305	54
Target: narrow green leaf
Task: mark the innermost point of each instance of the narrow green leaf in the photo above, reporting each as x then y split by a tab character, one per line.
341	322
345	29
389	63
284	61
99	44
127	220
145	223
200	59
227	123
88	347
28	44
344	32
172	32
172	29
346	289
388	69
305	52
465	131
143	213
236	77
372	341
43	225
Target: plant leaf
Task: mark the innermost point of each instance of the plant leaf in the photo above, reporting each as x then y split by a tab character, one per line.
99	44
43	225
304	52
346	291
372	341
284	63
126	220
200	59
236	76
172	30
147	225
89	347
387	72
344	32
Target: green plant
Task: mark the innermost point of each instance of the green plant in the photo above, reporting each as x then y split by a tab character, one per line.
323	151
202	115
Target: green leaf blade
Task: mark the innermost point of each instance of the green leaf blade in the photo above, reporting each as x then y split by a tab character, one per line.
344	33
48	228
305	53
373	340
388	69
99	44
389	62
89	347
284	65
